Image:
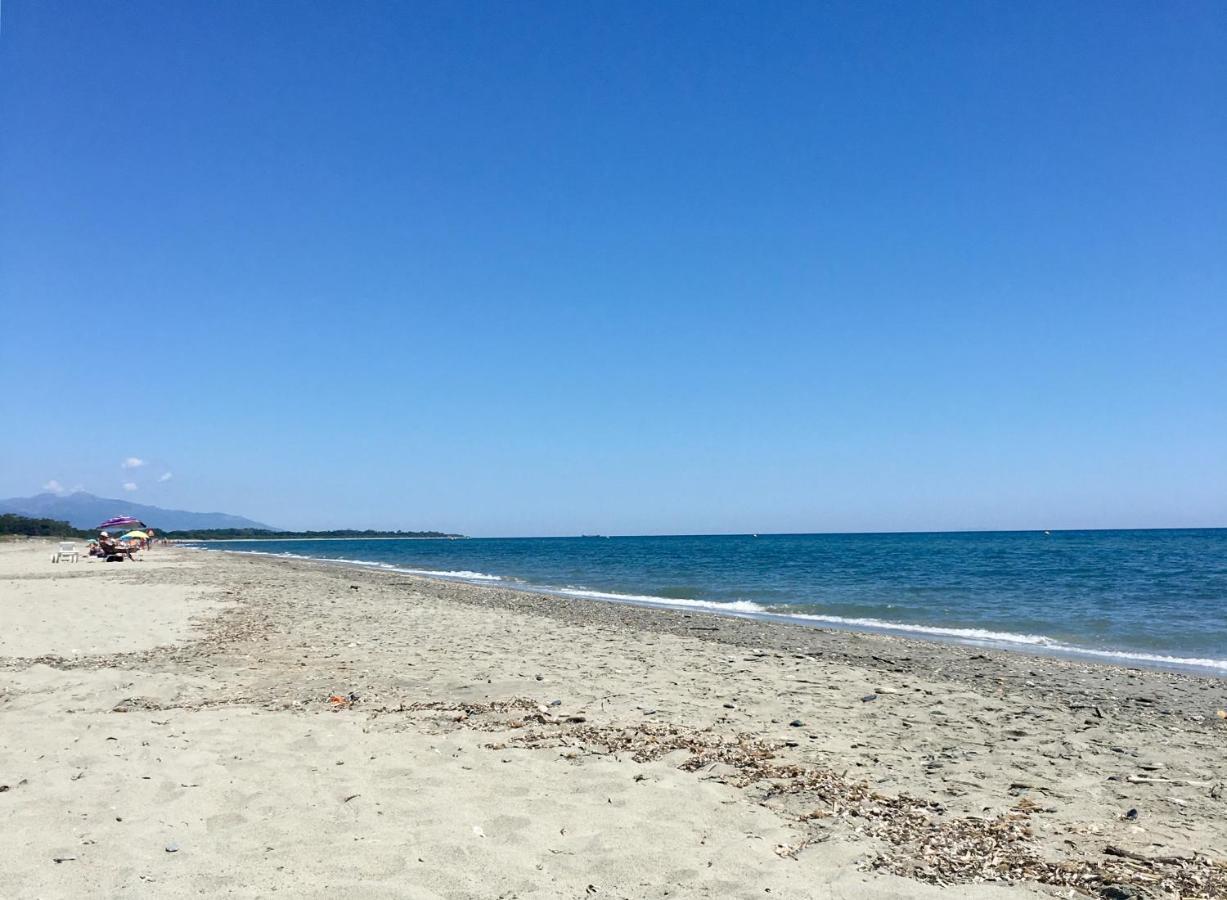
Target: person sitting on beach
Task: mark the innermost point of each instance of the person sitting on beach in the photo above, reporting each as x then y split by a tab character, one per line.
112	550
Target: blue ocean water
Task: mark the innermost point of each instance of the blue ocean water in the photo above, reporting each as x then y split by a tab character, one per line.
1147	597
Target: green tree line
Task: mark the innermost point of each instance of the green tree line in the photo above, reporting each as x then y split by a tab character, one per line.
217	534
13	524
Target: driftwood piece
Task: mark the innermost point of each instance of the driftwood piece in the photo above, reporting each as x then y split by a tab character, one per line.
1148	860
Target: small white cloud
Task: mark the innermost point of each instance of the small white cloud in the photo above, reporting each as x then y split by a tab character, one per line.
130	486
54	487
132	462
166	476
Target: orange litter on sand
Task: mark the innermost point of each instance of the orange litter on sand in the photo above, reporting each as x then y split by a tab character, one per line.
337	698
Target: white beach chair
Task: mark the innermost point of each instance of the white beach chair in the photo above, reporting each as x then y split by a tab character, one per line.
68	550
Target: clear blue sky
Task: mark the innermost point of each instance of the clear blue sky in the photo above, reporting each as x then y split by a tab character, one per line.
542	268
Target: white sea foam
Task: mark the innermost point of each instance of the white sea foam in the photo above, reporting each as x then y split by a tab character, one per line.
1219	665
972	634
739	606
283	554
980	635
1005	639
462	574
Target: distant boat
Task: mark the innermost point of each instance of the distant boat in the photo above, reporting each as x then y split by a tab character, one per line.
593	535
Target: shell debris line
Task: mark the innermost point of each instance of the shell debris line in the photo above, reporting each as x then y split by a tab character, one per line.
920	841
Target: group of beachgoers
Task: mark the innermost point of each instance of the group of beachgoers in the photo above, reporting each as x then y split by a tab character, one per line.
113	549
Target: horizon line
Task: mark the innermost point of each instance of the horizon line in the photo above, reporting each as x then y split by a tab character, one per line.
584	536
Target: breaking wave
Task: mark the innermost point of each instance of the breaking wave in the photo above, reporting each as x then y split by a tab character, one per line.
461	575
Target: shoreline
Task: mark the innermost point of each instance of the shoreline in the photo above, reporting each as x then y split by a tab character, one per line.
963	637
209	721
874	649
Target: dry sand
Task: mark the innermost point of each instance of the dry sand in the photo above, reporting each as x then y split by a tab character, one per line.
166	730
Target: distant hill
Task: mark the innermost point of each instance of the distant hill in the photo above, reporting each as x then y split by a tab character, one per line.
84	510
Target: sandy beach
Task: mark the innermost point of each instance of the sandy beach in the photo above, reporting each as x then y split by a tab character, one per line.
202	724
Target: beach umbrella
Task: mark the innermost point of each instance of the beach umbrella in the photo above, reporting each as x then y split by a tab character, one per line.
139	535
119	521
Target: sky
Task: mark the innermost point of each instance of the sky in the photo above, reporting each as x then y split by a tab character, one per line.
619	267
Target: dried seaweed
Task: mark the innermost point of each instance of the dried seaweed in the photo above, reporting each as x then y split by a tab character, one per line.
919	839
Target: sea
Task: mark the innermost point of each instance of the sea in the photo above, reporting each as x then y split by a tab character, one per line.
1152	598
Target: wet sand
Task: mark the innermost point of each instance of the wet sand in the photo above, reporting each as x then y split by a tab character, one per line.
223	724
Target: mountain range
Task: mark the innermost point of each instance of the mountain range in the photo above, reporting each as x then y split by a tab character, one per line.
82	510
